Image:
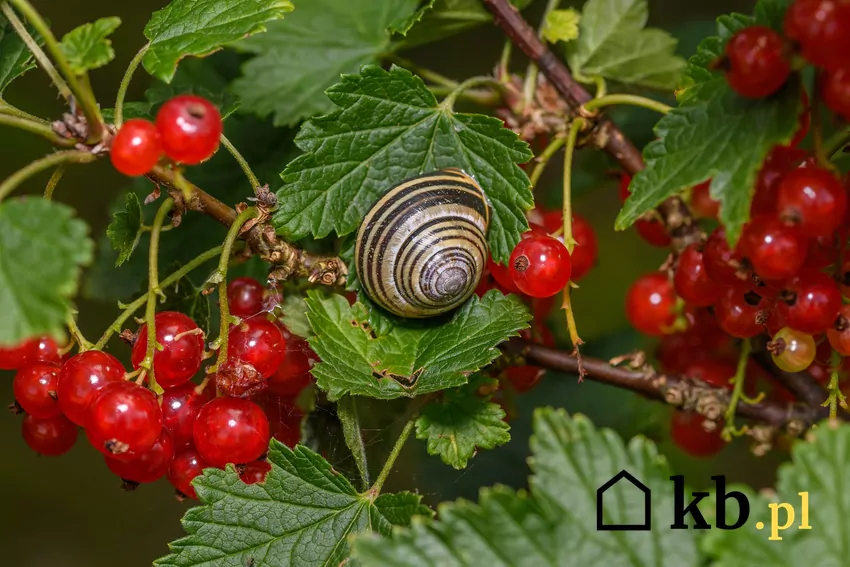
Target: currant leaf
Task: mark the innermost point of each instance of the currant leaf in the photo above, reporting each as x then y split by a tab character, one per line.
295	316
43	249
614	43
389	127
131	110
462	422
553	524
406	358
87	47
302	514
294	62
126	228
714	134
200	27
15	58
403	25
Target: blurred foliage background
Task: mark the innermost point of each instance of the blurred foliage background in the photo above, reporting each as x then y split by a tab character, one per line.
72	512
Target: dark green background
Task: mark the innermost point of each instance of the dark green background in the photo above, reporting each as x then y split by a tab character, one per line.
70	511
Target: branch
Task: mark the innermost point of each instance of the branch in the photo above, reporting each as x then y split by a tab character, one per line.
801	384
674	212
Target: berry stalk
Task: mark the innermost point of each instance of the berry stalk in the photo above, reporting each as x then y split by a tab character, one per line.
737	381
39	165
243	163
125	82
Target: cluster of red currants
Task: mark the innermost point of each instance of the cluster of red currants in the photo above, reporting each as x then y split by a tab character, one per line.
187	130
228	418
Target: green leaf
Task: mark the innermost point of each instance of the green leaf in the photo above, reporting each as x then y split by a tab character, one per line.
295	316
15	58
400	508
409	358
302	514
461	423
131	110
126	228
561	25
42	249
197	78
87	47
201	27
613	43
819	467
714	134
305	54
556	523
403	25
388	128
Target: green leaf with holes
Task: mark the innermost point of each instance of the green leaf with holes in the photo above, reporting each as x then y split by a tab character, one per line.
389	127
200	27
302	514
126	228
365	353
88	46
15	58
714	134
42	248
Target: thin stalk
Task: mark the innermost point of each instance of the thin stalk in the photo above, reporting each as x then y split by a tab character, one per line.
729	429
125	82
468	84
478	96
836	396
836	142
505	62
6	108
530	87
255	183
36	127
139	302
423	72
544	157
631	100
349	417
572	136
70	156
76	334
391	459
54	180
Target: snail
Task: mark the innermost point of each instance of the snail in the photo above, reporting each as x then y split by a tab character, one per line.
422	248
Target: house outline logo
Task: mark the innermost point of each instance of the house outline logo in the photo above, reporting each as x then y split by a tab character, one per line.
647	505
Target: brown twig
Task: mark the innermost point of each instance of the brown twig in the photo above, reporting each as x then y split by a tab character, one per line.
801	384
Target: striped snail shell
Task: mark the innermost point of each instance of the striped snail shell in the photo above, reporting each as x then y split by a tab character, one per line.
422	248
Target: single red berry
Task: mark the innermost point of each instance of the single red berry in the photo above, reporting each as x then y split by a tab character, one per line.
258	342
186	465
652	231
650	304
738	313
51	437
721	264
180	408
586	249
779	161
813	199
689	433
80	380
146	466
124	418
836	92
823	251
839	334
792	351
245	296
702	203
775	250
714	372
293	375
136	148
284	419
190	128
182	352
540	266
755	64
524	378
820	28
810	302
35	388
231	430
255	472
502	275
38	349
691	280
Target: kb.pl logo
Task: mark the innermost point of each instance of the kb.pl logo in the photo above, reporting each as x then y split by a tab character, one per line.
685	505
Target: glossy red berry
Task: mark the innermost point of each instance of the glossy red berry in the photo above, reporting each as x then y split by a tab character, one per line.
231	430
779	161
810	302
586	250
245	297
792	351
652	231
738	313
180	408
502	275
702	203
722	265
35	389
51	437
255	472
182	352
540	266
689	433
136	148
755	64
836	92
190	128
650	304
38	349
293	375
691	280
524	378
186	465
712	371
775	251
813	199
823	251
80	380
145	466
258	342
820	28
125	418
839	333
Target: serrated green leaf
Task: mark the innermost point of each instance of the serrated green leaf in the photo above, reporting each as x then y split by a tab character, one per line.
87	47
302	514
306	53
714	134
409	359
131	110
462	422
200	27
15	58
388	128
42	247
401	507
295	316
126	228
613	43
561	25
403	25
556	524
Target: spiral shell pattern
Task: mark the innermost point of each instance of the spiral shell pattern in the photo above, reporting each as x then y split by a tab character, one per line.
422	248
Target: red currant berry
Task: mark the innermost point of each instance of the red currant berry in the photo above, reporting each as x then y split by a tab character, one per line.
779	161
650	304
293	375
180	408
839	334
820	28
812	198
187	465
702	203
823	251
776	251
792	351
691	280
51	437
136	148
245	296
190	128
524	378
755	64
836	92
703	340
258	342
714	372
738	313
722	265
231	430
35	387
502	275
586	249
255	472
284	419
653	231
39	349
145	466
182	352
80	380
124	418
810	302
540	266
689	433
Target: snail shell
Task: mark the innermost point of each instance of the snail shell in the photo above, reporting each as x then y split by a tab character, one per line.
422	248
